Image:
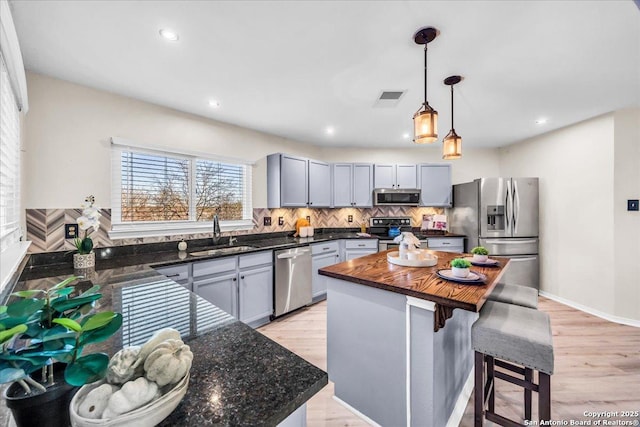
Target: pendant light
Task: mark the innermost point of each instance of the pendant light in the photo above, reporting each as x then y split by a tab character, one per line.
425	120
452	143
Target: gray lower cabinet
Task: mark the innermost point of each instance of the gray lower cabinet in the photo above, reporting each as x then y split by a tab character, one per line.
446	244
435	184
255	291
322	255
356	248
220	290
180	274
240	285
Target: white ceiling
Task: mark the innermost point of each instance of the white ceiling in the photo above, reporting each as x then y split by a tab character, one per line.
292	68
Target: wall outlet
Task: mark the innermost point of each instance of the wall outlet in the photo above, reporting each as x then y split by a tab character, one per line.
309	219
350	218
280	220
70	231
267	220
632	205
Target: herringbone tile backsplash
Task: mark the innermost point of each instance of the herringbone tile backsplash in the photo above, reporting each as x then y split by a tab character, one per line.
45	227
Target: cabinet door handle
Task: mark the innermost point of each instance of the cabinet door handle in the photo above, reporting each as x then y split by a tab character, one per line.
235	279
361	245
242	277
173	275
446	243
337	256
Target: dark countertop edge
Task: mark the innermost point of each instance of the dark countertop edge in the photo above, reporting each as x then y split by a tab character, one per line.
300	400
408	292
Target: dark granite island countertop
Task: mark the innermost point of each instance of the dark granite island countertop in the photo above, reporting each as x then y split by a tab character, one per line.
239	377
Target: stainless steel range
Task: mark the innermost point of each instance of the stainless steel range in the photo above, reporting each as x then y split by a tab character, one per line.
380	227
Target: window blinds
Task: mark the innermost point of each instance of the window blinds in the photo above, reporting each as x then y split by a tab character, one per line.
152	186
9	163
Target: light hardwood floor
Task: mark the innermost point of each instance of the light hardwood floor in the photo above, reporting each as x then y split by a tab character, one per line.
597	366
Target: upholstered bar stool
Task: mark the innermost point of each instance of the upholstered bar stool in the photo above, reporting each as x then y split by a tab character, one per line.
515	294
519	340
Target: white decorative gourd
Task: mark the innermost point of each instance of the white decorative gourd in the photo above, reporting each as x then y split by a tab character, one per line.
169	362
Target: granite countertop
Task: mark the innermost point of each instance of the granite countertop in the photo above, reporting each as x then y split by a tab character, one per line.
132	258
239	377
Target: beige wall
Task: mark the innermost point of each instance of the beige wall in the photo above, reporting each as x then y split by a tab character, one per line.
626	177
68	150
585	171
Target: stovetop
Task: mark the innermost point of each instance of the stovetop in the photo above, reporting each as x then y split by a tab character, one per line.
379	226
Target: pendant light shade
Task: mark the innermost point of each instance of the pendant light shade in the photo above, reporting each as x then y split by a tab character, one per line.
425	120
452	143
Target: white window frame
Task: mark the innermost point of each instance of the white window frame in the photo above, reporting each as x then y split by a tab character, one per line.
139	229
13	248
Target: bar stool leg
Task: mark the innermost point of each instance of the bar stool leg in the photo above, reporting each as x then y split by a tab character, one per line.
544	396
479	390
491	380
528	376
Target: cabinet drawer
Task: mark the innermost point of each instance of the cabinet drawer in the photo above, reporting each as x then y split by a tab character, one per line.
177	273
214	266
361	244
324	248
444	242
252	260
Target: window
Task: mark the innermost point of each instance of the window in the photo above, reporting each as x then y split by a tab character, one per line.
159	193
9	163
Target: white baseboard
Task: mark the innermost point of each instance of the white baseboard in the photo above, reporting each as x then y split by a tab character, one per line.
602	315
356	412
461	403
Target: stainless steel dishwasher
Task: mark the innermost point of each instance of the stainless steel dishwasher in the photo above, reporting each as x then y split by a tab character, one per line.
292	279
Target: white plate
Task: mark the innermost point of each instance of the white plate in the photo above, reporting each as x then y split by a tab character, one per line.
473	277
425	259
489	262
146	416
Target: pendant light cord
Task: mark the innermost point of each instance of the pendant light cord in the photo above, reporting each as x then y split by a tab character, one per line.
425	75
452	108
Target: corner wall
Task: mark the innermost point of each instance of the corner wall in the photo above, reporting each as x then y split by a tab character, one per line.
585	172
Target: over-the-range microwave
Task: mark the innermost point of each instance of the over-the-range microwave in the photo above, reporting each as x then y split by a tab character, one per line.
397	197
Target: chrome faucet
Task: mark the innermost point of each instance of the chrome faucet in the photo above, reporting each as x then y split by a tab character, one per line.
216	229
232	240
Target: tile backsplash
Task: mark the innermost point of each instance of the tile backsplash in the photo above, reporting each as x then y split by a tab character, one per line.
45	227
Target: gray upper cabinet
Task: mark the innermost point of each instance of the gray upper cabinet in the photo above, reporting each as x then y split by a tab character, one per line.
287	180
319	184
294	182
435	184
352	185
396	176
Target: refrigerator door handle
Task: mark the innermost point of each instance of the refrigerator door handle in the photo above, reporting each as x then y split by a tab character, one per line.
516	206
509	242
508	207
522	259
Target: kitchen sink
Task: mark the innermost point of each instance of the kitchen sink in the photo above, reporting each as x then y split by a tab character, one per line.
222	251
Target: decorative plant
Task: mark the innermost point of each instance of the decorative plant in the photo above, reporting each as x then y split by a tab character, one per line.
43	326
479	250
90	219
460	263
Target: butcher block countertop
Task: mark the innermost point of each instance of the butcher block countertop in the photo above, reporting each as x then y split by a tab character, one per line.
419	282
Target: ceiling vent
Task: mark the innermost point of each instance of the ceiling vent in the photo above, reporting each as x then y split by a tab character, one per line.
388	98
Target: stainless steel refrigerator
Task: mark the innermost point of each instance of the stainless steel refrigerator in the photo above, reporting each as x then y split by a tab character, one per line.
501	214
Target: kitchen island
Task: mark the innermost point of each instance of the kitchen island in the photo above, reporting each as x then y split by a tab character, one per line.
399	339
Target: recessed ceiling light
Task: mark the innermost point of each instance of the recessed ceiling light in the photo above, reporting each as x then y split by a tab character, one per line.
214	104
170	35
541	121
330	130
405	135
